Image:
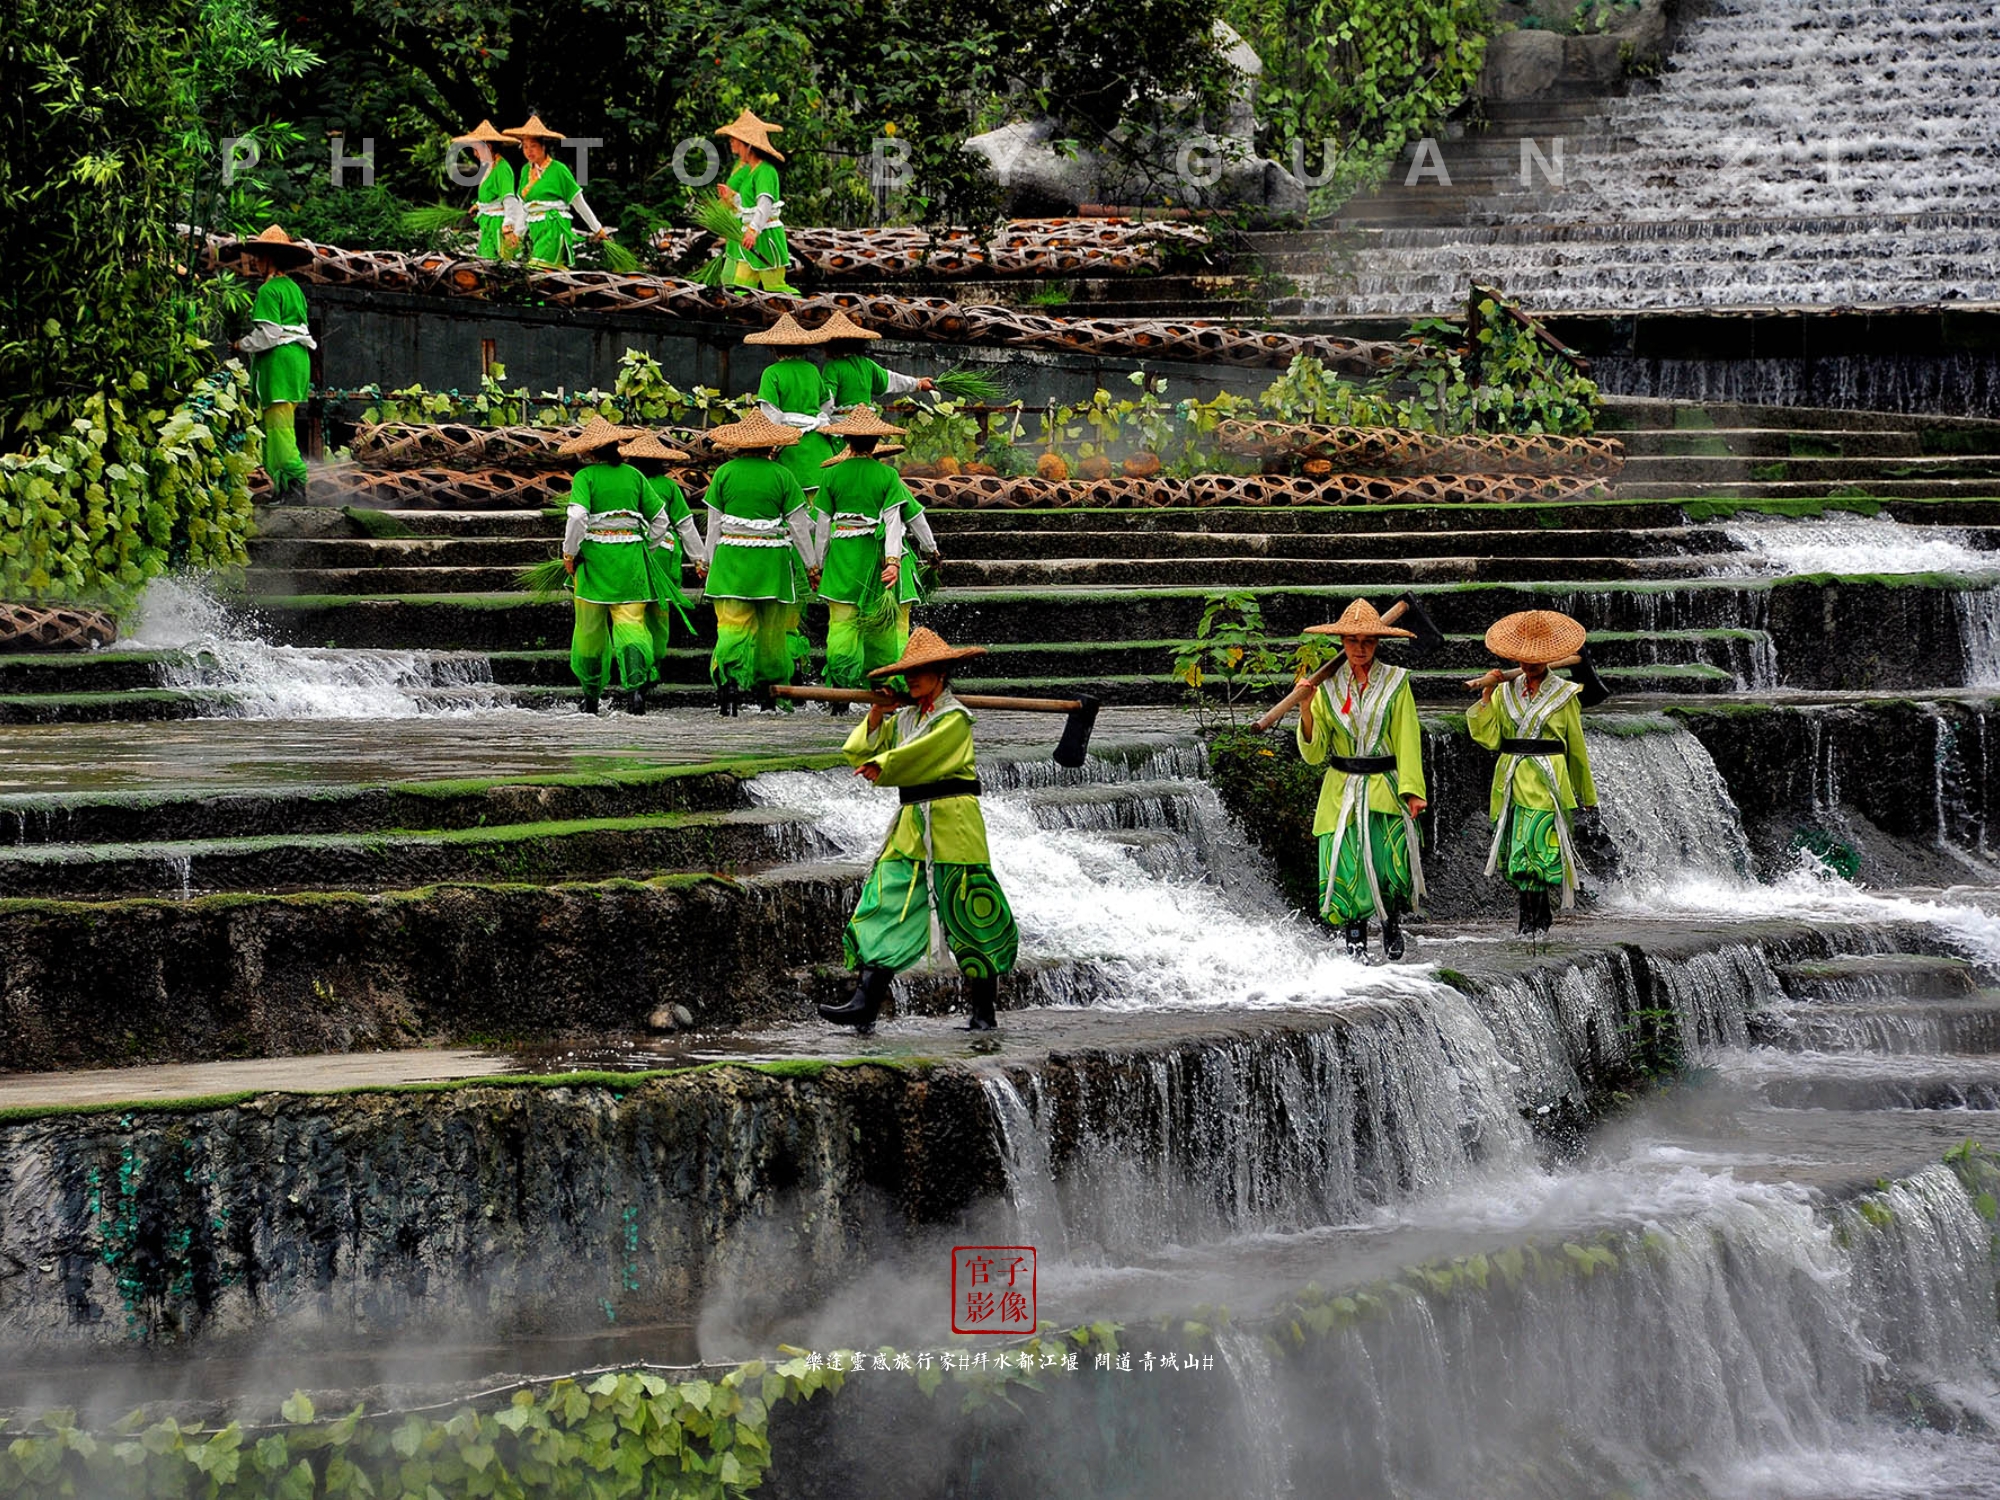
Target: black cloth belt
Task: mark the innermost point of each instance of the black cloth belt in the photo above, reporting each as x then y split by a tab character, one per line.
930	791
1533	747
1363	765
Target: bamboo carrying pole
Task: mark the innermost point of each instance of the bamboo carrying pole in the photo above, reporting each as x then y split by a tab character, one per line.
1514	674
1306	689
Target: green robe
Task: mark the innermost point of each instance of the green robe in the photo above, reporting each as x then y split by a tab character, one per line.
891	925
1369	861
750	183
551	230
753	534
495	188
793	386
1534	796
616	506
859	495
856	380
284	373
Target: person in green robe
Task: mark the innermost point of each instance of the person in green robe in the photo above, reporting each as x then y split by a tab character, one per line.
613	520
861	542
1361	724
934	875
547	200
759	544
496	187
854	379
280	347
1543	790
791	392
673	540
760	257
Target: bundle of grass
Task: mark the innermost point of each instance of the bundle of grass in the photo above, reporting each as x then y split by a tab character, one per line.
976	387
545	580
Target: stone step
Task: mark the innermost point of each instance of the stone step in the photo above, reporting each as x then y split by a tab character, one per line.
1378	572
598	848
281	811
1697	471
1942	1026
1013	544
1880	976
1862	488
1770	442
481	523
311	555
1620	414
1863	1082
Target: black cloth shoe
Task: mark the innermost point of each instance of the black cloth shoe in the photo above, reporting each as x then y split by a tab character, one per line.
871	988
1525	925
1356	934
590	703
982	996
1392	937
1537	914
635	701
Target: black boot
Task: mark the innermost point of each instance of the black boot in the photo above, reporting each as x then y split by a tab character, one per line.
725	699
1392	936
871	988
1525	926
981	997
635	702
1543	915
1356	934
589	701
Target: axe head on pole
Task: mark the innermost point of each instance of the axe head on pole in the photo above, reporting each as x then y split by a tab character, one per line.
1074	747
1414	617
1585	673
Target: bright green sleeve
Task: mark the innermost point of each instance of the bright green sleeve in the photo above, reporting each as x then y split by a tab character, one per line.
1314	750
1569	729
1487	723
863	745
945	750
498	183
1406	735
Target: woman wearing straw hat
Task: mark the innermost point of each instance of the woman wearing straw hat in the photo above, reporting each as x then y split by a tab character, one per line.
1362	725
760	539
791	391
496	187
671	538
760	257
548	199
614	520
1542	783
934	866
279	345
852	378
862	504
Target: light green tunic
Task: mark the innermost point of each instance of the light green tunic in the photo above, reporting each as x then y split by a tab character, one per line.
1492	722
855	380
495	188
859	493
1332	735
754	553
611	563
912	748
750	183
284	373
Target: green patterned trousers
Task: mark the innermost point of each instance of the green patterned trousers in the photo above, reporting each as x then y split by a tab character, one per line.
757	642
891	926
281	446
860	640
1343	892
1531	854
617	643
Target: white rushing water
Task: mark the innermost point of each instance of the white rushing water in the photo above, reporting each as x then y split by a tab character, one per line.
219	652
1853	545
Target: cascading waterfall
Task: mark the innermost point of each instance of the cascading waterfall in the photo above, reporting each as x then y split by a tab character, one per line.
1667	810
1979	630
218	653
1852	544
1797	152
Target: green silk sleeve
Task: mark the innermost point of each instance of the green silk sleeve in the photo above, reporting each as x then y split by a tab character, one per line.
1569	728
1406	735
944	750
1313	749
1487	724
864	745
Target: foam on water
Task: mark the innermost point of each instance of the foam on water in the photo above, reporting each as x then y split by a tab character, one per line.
1854	544
221	654
1667	810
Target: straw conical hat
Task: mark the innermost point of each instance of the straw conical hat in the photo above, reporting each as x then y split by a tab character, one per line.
648	445
754	431
278	246
881	450
862	422
1359	618
927	649
787	332
483	131
840	326
754	132
597	433
1535	637
535	128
